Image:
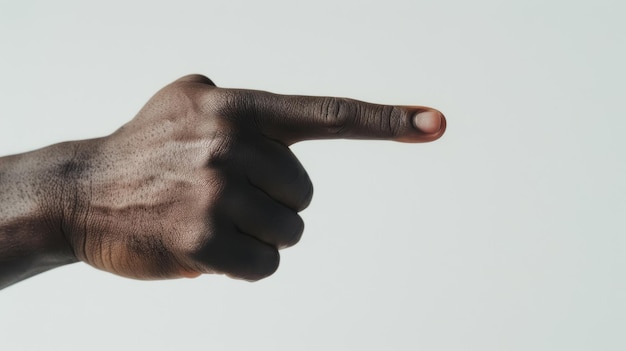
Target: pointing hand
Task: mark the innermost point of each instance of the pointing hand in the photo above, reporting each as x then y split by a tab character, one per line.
202	179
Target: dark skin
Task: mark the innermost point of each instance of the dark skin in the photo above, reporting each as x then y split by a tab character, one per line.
200	181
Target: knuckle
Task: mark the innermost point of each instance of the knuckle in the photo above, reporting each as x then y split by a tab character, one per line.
236	109
221	149
297	187
263	265
294	233
272	261
297	194
185	88
342	116
196	78
388	120
306	196
178	99
337	114
230	103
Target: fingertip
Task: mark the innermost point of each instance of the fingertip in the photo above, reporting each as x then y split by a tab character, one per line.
426	125
429	121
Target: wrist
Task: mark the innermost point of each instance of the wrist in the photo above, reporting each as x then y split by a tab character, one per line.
39	191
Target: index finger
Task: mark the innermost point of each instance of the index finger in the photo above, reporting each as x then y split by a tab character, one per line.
291	118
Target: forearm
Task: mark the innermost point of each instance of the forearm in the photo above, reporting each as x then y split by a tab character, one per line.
32	189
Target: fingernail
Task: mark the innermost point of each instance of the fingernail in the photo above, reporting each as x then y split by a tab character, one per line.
428	122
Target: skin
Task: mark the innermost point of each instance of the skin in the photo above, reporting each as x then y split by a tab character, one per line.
200	181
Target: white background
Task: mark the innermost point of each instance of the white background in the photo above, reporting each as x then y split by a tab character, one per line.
506	234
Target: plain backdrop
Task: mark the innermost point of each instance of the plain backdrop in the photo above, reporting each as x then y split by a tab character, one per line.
506	234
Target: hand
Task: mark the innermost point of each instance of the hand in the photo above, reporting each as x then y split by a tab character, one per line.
202	179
